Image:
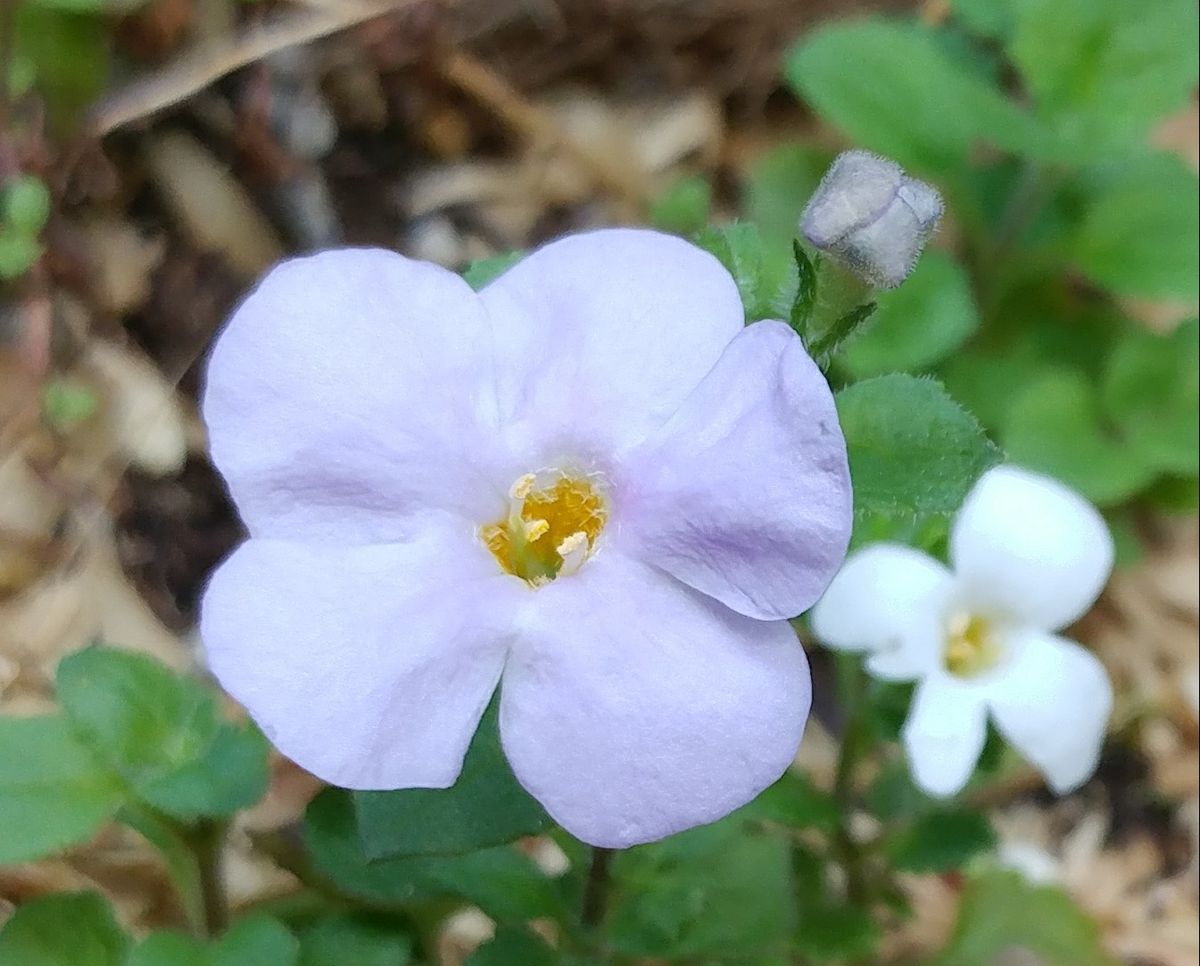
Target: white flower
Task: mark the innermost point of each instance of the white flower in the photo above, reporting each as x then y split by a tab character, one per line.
1029	557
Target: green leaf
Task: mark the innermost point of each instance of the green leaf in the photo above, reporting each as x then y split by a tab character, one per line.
685	208
941	840
1151	392
25	204
894	796
1139	236
912	448
893	88
161	733
987	18
1053	426
67	929
1102	71
354	941
255	941
168	948
796	802
513	946
53	791
740	248
918	324
806	290
720	891
501	881
484	270
1001	913
485	807
833	931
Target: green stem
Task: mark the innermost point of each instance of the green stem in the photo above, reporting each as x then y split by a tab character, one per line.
856	741
595	893
170	838
207	841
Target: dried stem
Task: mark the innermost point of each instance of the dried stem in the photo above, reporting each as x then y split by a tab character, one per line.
211	60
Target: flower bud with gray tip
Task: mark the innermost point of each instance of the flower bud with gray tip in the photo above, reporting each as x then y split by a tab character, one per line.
871	216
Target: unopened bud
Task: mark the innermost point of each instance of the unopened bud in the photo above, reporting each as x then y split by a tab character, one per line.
869	214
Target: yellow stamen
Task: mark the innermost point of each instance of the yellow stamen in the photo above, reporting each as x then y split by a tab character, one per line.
550	529
971	647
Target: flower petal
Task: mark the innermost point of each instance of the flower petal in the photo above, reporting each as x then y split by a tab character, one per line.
347	392
745	493
944	734
368	666
888	599
1052	704
600	336
1027	546
633	707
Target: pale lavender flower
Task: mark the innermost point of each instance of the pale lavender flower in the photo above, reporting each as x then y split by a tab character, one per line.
588	480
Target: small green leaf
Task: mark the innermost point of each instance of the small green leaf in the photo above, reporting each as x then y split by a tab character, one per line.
1001	913
833	931
485	807
912	448
70	54
721	892
740	248
918	324
161	733
941	840
484	270
1139	237
1151	392
354	941
255	941
1102	71
806	290
987	18
25	204
501	881
843	327
893	795
1053	426
893	88
685	208
66	929
53	791
168	948
18	252
66	404
513	946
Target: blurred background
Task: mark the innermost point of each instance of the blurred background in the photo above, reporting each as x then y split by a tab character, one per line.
156	156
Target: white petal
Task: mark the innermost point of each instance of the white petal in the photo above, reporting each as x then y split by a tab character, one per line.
891	600
368	666
745	493
944	734
601	336
1028	547
1052	703
350	393
634	707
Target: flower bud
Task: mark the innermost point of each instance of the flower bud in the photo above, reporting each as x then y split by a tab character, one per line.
869	214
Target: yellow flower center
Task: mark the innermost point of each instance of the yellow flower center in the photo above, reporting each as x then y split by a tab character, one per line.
551	528
971	647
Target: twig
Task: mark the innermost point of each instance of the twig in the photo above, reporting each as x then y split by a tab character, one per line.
213	59
480	82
